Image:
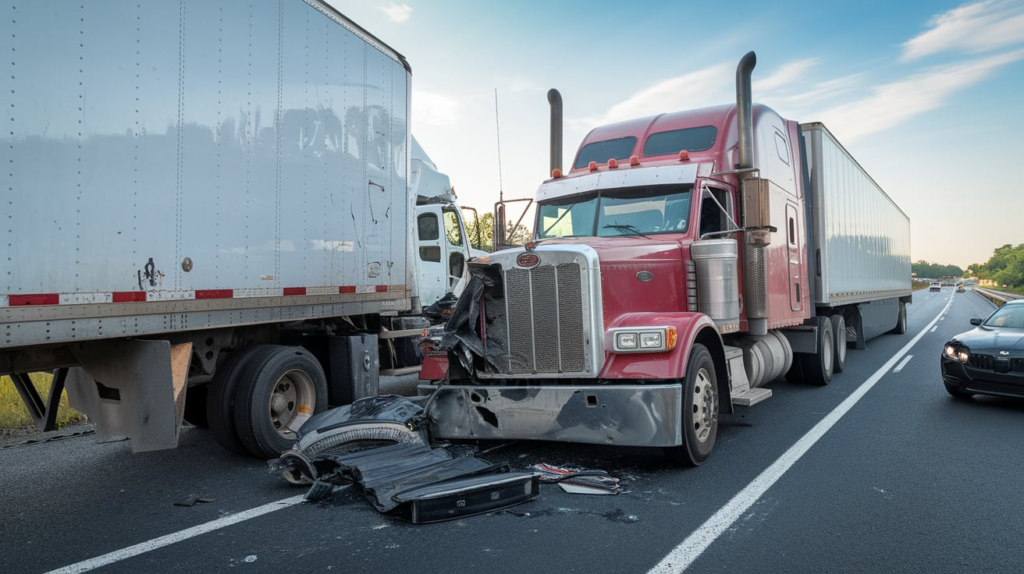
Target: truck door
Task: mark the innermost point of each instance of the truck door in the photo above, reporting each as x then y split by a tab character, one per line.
793	252
431	254
457	248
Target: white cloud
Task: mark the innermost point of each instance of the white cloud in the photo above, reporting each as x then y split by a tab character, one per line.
707	87
435	109
974	28
397	12
785	76
892	104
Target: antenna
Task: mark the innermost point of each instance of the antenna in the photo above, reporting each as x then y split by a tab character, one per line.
497	129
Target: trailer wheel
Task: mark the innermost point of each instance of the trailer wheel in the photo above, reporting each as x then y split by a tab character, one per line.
815	368
700	410
220	399
839	332
901	321
278	392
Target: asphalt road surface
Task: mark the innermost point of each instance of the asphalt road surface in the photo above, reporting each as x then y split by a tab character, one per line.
881	471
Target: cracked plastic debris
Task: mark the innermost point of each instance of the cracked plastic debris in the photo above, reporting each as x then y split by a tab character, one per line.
578	480
407	477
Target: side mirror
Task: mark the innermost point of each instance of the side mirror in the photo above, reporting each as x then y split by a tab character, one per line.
976	321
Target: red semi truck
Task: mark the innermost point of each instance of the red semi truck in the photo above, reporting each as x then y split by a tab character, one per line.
684	262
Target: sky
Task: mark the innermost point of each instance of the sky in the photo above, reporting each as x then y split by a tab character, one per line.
926	95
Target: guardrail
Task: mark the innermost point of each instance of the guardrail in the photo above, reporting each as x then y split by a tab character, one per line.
997	297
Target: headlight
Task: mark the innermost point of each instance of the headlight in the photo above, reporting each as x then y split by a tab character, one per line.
625	340
648	340
961	354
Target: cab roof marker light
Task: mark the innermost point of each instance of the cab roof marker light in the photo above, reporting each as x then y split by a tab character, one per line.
556	173
684	155
634	160
612	164
592	166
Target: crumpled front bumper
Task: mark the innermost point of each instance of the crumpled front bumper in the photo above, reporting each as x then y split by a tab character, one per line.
627	415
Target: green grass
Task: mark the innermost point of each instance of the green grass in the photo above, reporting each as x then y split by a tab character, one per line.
916	285
14	415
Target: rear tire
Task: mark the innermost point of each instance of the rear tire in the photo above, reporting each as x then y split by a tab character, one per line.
221	399
901	320
700	410
839	332
278	392
816	368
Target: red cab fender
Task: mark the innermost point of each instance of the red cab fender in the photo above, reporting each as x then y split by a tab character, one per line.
664	365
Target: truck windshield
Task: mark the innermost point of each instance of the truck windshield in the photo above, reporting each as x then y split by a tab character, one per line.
610	213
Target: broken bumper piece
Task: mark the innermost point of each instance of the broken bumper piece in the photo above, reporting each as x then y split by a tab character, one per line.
424	485
407	477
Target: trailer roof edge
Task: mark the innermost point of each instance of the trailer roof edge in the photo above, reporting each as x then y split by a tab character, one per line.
334	14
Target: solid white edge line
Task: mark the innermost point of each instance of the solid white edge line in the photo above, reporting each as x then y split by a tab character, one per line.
143	547
682	556
903	363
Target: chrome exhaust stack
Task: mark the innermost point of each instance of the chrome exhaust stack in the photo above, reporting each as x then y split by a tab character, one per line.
555	99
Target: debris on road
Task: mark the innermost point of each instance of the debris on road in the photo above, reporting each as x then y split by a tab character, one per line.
405	477
192	500
578	480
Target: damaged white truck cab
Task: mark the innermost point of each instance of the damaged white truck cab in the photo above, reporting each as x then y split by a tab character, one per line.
685	262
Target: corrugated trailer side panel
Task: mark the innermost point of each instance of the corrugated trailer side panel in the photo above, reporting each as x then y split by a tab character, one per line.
861	237
202	146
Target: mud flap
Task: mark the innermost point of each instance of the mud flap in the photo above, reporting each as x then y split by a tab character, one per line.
132	388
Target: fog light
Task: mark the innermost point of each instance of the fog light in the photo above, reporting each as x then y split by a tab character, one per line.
650	340
625	340
963	356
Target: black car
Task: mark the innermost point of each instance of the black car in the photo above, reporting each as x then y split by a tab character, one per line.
988	360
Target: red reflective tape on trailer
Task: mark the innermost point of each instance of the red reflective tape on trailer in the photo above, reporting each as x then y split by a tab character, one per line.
214	294
289	291
129	296
34	299
381	288
347	289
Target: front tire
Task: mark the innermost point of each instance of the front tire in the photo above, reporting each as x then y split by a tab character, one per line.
278	392
700	409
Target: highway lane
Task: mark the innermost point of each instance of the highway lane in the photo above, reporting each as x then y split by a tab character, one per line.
911	480
73	500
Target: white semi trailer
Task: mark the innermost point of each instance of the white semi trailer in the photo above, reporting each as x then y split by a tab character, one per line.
206	211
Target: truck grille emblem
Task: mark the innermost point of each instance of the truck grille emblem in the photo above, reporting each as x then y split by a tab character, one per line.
645	276
527	260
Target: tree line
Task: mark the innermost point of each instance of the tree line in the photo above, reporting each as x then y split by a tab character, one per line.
923	269
1005	267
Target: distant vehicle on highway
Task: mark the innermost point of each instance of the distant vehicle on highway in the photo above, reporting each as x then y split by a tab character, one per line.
989	359
935	287
960	288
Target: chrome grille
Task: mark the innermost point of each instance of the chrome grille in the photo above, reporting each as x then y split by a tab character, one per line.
544	320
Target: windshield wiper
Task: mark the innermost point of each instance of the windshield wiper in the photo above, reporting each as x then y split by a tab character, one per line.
630	228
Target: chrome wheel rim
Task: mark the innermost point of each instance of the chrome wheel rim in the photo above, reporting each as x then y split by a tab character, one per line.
704	405
291	402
